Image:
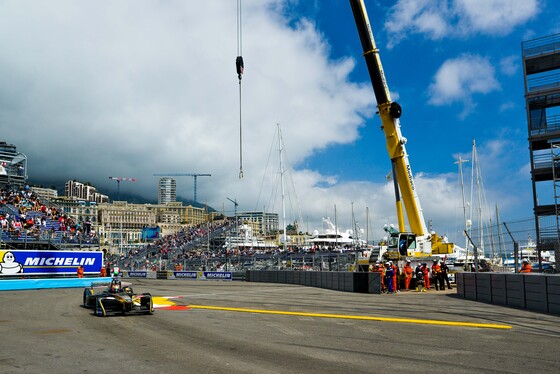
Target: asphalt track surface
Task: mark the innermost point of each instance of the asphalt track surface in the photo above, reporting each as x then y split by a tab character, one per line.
239	327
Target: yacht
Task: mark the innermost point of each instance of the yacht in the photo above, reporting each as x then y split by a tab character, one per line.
247	241
333	238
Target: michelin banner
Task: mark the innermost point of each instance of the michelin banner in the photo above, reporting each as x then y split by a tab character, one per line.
14	262
202	275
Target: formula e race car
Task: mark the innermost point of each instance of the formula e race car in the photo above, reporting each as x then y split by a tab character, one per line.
116	298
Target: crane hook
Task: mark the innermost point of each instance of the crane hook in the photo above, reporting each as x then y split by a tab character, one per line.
240	67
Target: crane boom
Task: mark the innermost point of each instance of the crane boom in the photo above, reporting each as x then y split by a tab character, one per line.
119	180
390	112
182	175
423	242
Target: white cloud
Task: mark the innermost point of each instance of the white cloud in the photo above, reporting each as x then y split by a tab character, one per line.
439	19
417	16
510	65
494	17
90	90
130	89
506	106
458	79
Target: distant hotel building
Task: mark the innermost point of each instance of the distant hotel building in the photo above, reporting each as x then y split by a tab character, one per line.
45	194
167	190
263	223
84	192
122	223
81	211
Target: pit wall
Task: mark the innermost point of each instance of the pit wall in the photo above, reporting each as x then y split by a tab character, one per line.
332	280
34	284
537	292
64	282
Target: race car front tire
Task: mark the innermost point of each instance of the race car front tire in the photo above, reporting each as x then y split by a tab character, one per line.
147	303
99	309
151	307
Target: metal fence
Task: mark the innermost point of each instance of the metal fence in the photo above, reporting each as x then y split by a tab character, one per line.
323	261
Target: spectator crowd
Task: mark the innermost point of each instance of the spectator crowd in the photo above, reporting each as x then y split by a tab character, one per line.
24	216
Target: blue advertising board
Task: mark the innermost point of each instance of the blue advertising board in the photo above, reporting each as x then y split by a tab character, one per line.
14	262
203	275
151	233
221	275
185	274
137	274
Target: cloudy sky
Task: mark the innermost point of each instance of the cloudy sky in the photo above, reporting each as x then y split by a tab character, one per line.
92	89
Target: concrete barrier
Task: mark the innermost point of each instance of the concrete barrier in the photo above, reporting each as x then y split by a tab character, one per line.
538	292
553	289
333	280
498	288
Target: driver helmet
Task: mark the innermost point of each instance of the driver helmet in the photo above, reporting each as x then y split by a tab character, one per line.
525	260
115	286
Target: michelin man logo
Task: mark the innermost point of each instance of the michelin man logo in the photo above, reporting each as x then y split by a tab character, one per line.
9	265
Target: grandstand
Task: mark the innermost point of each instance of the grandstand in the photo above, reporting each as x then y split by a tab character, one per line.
27	223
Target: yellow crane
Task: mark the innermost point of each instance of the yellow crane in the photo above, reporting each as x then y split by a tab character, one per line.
417	242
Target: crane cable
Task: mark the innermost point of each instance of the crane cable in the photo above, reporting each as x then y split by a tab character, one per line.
240	67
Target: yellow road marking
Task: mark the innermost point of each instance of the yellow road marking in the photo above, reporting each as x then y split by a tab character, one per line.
363	318
158	300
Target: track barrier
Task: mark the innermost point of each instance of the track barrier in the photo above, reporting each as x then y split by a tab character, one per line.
537	292
334	280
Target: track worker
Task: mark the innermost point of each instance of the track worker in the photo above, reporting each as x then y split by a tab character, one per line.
396	273
445	274
103	272
426	275
407	271
437	275
526	266
379	269
389	274
80	271
419	279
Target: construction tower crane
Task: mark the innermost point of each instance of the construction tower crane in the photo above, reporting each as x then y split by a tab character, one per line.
194	175
119	180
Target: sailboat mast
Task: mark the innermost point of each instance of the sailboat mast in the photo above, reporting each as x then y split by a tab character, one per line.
335	227
500	243
472	187
491	240
460	162
353	223
475	165
280	149
367	226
